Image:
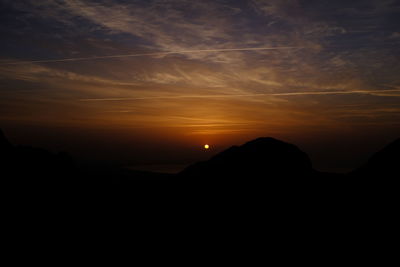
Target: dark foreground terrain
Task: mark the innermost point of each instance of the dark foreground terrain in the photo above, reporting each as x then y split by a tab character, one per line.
264	160
261	163
263	191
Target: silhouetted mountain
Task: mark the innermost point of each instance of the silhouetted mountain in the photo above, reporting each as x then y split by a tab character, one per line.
383	164
263	158
261	182
261	161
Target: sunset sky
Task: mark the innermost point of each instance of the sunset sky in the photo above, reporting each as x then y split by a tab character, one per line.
153	81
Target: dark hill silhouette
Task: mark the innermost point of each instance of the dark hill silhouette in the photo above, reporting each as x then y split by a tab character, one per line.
268	158
258	162
383	164
265	177
260	158
301	205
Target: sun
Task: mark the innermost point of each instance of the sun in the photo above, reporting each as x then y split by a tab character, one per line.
206	146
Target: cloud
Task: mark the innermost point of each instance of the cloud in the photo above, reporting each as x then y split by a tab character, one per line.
37	73
211	25
242	60
389	93
155	54
172	30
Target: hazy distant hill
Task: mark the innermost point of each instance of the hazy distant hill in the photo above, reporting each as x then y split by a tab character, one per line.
22	165
28	165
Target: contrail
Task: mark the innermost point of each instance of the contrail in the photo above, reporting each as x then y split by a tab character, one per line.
371	92
154	54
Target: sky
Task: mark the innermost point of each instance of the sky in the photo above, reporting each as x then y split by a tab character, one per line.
146	82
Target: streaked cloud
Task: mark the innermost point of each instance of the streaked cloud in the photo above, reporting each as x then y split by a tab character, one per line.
155	54
393	92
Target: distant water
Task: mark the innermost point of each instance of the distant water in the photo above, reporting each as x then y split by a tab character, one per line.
163	168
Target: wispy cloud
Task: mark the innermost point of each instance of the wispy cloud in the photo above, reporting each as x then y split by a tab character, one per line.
365	92
155	54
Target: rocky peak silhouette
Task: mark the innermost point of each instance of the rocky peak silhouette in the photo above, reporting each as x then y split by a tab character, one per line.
261	158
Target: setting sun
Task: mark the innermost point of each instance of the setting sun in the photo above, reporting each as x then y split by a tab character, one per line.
206	146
